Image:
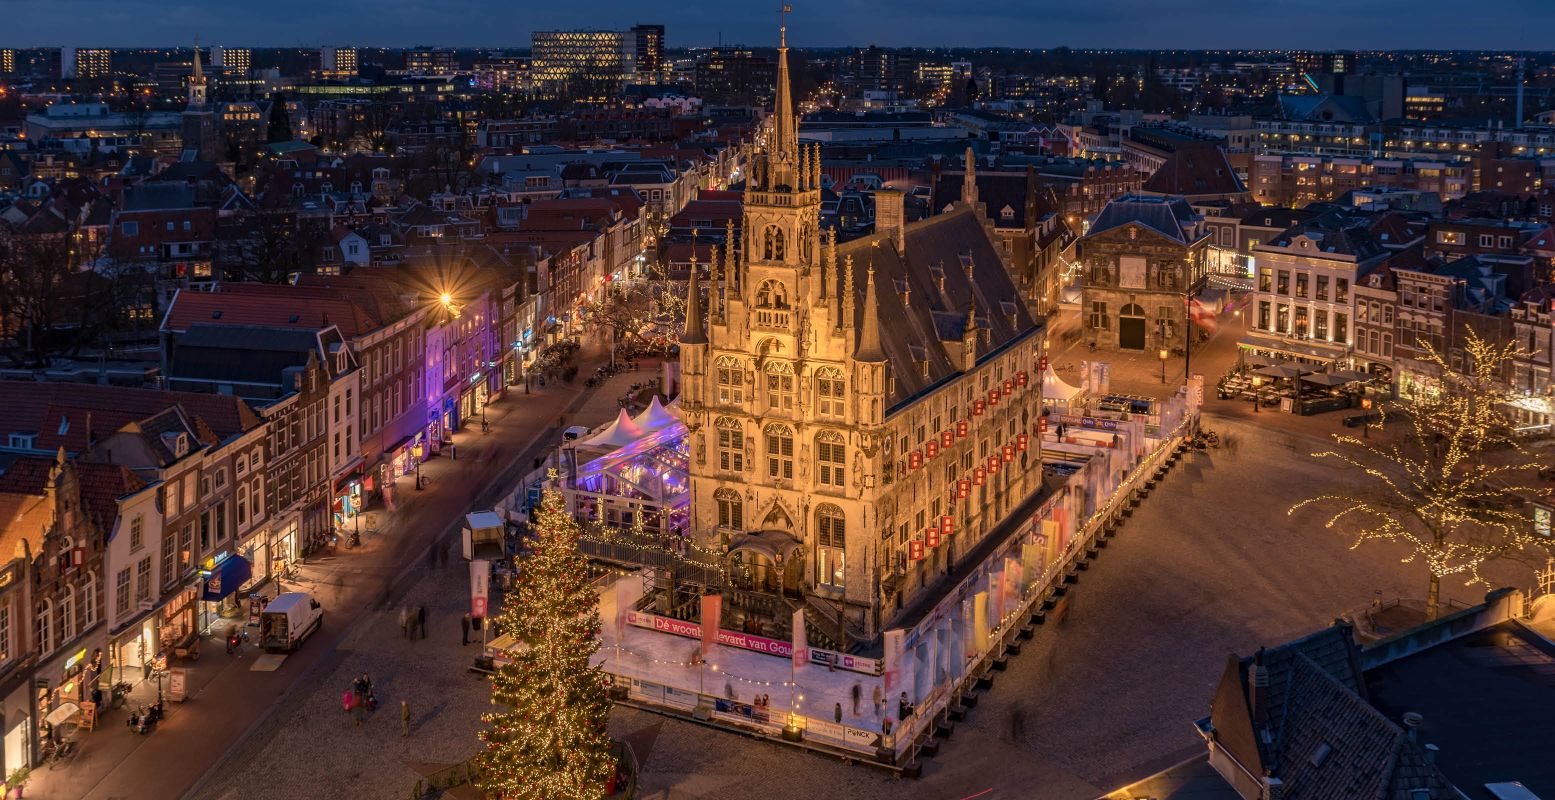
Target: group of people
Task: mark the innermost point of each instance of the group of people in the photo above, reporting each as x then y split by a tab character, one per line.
361	698
413	622
904	707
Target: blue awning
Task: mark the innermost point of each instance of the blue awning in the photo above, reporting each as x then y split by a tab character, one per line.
227	577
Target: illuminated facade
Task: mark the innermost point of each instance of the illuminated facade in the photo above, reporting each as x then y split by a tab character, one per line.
89	63
237	60
588	65
858	414
338	62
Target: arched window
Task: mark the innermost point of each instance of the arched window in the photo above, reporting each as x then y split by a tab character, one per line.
780	386
773	243
829	387
731	381
780	452
731	509
830	458
830	546
1132	310
772	294
731	445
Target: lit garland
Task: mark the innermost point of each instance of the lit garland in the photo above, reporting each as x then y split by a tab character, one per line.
1433	488
549	741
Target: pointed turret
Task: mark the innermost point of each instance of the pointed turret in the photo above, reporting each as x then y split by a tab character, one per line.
969	180
784	138
696	325
869	350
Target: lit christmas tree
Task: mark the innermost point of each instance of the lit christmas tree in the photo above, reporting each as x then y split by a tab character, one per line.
1449	479
549	740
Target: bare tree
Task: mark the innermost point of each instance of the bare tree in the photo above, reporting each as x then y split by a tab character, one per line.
1445	476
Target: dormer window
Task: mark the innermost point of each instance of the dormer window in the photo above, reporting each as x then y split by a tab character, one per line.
22	441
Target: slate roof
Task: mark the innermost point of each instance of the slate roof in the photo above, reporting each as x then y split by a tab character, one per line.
1313	727
1195	170
158	196
1168	216
926	319
240	354
996	191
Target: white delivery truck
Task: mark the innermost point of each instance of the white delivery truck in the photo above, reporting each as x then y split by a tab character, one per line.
288	620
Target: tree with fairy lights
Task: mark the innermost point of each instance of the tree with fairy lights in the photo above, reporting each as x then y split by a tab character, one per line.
1445	475
549	740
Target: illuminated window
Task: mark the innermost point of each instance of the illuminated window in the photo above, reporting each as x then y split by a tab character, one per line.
829	387
731	381
831	546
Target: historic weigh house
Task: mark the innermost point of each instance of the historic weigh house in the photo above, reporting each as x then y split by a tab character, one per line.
858	416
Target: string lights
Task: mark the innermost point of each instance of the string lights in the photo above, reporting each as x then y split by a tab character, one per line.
1450	485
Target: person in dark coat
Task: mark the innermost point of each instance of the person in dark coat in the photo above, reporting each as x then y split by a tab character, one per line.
464	629
421	622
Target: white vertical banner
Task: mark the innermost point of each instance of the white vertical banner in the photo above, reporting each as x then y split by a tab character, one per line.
801	644
480	579
893	656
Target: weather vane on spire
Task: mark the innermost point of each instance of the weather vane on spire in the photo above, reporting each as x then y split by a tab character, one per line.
783	24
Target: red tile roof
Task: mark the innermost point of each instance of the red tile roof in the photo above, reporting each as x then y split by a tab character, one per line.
270	306
68	414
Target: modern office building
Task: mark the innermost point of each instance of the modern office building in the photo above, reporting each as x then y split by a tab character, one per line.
583	65
85	63
427	61
340	62
644	61
236	60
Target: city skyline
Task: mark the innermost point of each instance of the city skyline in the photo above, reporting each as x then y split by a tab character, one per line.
1122	24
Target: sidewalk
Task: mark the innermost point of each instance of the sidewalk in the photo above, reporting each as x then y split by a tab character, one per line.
307	747
227	698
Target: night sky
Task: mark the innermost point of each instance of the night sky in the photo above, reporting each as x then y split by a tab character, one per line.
1318	24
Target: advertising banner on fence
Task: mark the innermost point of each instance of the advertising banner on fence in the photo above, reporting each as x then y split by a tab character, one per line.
646	690
746	641
712	611
679	698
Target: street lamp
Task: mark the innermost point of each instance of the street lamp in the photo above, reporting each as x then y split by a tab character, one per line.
1257	390
1164	355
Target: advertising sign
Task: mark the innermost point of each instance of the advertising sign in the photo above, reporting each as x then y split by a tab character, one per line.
480	579
746	641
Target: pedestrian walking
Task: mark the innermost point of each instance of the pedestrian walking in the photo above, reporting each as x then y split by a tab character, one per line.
876	696
903	708
404	718
837	713
404	622
421	622
858	694
728	690
464	629
453	452
1017	724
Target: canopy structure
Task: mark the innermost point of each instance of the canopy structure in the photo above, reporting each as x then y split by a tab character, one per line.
655	417
1053	387
620	433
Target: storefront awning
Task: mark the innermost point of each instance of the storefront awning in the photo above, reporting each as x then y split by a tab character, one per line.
1311	349
225	578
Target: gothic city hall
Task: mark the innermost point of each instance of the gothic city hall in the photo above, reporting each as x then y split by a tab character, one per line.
859	413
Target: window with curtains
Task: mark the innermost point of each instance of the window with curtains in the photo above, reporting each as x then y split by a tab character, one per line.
780	452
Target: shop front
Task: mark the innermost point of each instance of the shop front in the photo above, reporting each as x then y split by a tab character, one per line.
132	651
67	678
223	574
176	620
349	498
283	547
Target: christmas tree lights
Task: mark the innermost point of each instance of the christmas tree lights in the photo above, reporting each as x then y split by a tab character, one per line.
548	739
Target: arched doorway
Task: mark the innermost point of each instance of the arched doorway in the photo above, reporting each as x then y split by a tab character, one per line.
1131	327
767	561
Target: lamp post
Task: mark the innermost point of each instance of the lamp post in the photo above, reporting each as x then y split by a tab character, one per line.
1164	355
1257	390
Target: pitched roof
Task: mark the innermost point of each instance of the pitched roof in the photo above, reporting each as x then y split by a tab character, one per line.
271	306
1200	169
71	415
1299	713
1168	216
917	319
